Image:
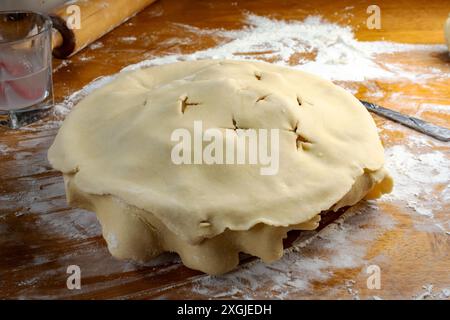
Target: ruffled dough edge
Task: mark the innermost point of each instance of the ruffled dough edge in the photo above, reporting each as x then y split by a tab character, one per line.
135	234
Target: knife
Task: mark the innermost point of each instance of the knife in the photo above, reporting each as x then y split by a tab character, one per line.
432	130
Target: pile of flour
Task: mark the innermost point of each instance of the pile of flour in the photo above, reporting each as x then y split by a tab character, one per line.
338	55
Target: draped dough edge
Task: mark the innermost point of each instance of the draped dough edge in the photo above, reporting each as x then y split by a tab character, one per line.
136	234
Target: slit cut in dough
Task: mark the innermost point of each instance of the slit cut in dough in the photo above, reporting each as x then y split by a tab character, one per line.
114	150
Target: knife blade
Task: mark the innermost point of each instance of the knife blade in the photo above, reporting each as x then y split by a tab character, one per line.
432	130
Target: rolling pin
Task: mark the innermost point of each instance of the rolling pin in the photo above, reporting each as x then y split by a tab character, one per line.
97	17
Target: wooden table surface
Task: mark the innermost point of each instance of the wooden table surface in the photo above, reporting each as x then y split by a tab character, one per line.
408	238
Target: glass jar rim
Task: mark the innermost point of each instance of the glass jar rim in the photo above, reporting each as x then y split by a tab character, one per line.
47	25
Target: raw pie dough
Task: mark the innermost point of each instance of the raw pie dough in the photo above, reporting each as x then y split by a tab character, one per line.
114	150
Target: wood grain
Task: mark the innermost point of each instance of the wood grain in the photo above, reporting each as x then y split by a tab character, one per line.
40	235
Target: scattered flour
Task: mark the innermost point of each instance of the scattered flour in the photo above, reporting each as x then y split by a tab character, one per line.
63	64
353	292
128	39
439	108
428	289
85	58
96	45
338	55
309	264
411	172
445	293
4	149
428	293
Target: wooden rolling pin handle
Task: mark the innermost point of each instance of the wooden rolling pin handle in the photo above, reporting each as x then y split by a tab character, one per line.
63	39
96	17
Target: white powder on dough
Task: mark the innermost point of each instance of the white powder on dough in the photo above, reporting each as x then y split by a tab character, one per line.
112	241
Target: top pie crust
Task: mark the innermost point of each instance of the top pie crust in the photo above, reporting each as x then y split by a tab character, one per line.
114	150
